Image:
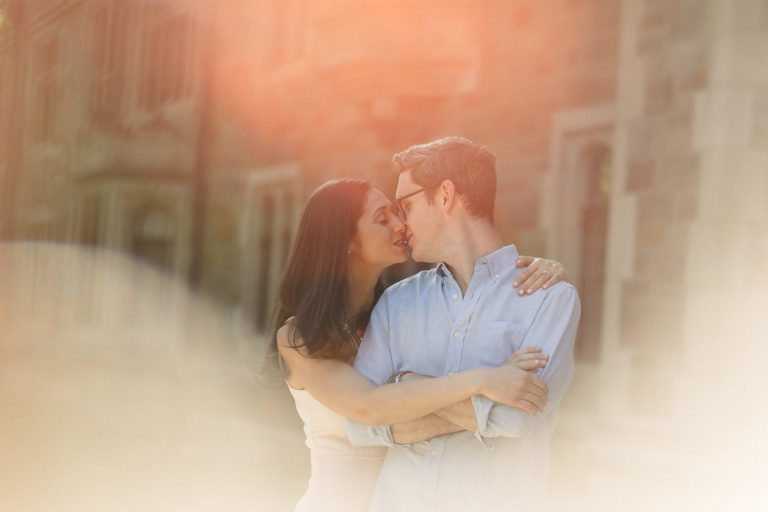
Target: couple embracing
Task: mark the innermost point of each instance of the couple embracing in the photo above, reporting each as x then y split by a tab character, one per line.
441	392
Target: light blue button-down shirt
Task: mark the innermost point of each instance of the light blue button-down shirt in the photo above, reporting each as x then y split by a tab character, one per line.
425	325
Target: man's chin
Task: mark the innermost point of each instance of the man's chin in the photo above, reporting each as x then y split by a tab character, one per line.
419	258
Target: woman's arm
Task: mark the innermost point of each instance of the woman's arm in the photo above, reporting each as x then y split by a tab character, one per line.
461	415
539	274
343	389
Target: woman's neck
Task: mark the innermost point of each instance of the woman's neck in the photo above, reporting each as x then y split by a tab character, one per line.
362	282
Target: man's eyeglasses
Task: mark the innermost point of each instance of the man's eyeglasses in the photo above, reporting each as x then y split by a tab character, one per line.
400	200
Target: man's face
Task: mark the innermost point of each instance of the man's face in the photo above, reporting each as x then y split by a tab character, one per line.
423	219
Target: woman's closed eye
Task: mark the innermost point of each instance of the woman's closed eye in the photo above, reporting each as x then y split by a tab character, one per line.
385	218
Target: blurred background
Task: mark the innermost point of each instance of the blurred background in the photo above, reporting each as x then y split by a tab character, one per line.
155	156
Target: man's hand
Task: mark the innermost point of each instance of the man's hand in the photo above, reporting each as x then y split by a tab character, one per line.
539	274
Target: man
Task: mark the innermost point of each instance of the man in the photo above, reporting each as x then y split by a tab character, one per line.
462	314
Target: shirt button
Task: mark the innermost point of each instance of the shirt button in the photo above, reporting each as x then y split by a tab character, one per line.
497	276
457	334
455	296
434	453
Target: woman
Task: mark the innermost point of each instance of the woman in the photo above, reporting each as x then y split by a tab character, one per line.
348	234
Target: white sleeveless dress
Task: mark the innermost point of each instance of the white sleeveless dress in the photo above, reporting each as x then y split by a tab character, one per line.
343	476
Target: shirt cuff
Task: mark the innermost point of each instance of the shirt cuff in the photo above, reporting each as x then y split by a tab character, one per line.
362	434
482	407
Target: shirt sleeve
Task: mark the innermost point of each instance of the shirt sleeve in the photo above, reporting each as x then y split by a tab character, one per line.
374	361
554	330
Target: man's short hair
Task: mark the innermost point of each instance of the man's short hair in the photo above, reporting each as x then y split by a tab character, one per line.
471	168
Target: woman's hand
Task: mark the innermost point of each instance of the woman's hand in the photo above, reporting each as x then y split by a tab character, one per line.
514	384
529	359
539	274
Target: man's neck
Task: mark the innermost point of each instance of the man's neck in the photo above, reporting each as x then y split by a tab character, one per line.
472	240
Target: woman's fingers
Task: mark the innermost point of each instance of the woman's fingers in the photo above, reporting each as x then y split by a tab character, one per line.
537	279
535	401
534	390
539	274
527	350
532	365
519	388
524	261
529	359
525	405
530	401
536	356
558	274
522	280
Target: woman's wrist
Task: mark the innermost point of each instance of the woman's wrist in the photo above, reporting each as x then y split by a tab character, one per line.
397	377
482	380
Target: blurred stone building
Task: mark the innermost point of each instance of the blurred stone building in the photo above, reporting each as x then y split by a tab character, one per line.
631	140
109	126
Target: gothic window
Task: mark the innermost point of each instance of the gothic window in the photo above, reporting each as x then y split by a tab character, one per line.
44	90
596	168
270	217
90	218
152	235
266	245
168	65
109	44
4	120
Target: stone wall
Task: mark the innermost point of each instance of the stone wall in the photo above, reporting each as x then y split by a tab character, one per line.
684	291
376	77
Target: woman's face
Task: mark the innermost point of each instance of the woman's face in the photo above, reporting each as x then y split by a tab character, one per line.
380	238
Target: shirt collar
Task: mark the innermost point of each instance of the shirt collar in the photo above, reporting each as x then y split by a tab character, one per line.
496	262
442	270
499	261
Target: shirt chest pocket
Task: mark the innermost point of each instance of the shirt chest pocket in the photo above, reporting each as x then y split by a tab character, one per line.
494	342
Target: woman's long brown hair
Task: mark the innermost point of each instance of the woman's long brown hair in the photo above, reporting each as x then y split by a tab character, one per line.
314	287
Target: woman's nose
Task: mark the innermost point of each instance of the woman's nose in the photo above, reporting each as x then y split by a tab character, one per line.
400	225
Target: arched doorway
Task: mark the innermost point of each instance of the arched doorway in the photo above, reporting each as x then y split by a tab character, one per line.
595	169
576	212
152	235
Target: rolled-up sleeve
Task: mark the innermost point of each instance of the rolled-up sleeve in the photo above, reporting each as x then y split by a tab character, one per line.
554	330
374	361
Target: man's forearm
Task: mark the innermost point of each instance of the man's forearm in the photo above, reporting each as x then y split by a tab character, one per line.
461	414
422	429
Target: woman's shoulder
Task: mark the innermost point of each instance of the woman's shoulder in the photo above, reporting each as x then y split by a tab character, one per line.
289	347
288	334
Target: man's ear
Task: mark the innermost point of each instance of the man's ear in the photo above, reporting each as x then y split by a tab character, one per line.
447	195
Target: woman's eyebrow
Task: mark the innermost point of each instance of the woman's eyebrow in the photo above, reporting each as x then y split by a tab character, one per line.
376	212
